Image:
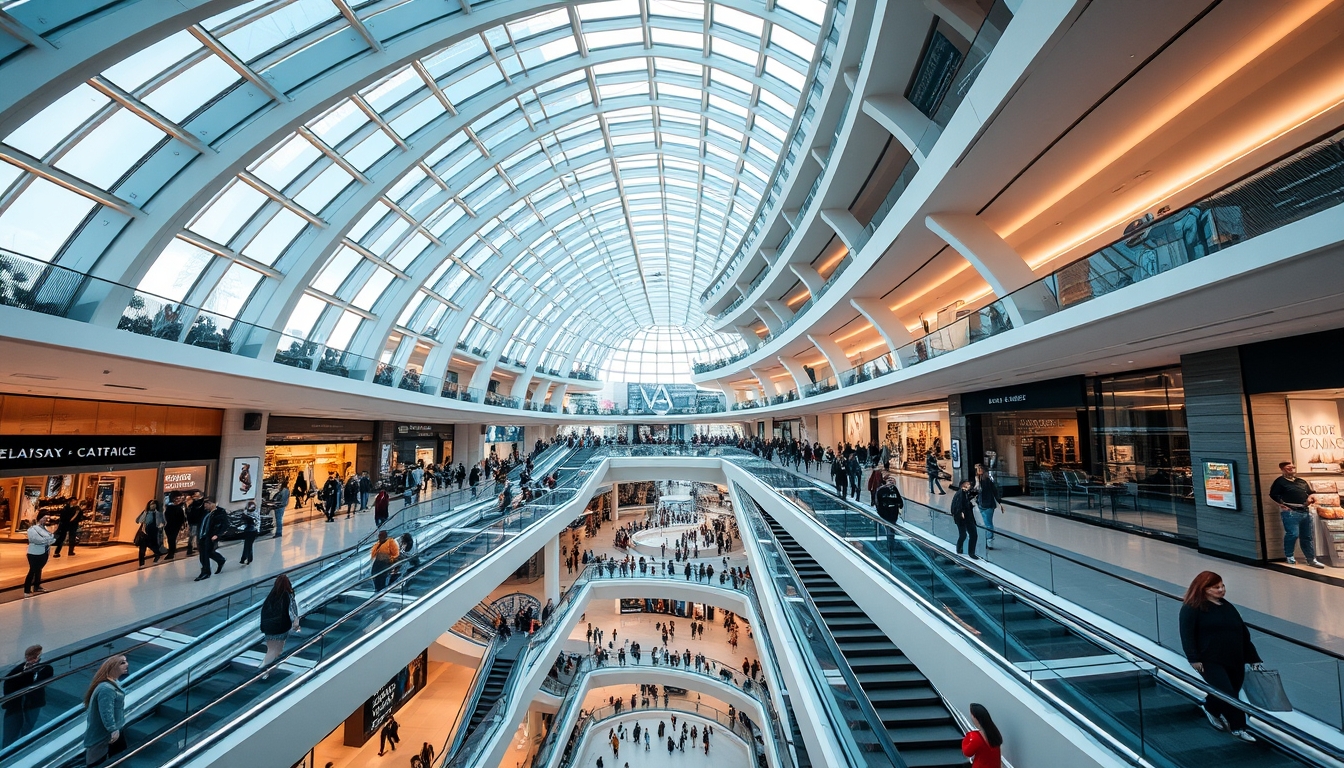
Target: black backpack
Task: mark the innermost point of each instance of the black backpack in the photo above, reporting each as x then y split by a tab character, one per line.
275	615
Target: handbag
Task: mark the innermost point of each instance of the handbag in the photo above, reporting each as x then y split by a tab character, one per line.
1264	689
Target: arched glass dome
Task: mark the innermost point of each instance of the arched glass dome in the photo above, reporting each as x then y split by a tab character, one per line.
664	354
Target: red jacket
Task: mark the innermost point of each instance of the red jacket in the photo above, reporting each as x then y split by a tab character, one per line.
875	480
981	753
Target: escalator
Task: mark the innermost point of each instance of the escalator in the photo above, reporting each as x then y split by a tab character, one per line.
917	721
493	686
212	673
1108	686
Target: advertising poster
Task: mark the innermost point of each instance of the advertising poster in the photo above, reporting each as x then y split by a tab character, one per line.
1220	484
1318	442
243	480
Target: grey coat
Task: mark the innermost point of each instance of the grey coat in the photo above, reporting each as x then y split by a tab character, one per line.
106	713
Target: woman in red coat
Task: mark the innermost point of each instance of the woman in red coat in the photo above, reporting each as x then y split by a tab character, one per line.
982	745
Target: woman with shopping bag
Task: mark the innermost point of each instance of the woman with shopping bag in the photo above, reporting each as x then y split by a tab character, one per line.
1218	645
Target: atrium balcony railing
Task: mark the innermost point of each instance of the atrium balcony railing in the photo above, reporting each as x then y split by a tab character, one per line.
794	151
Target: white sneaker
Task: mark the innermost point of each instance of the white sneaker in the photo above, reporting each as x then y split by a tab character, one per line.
1292	561
1244	736
1216	721
1317	564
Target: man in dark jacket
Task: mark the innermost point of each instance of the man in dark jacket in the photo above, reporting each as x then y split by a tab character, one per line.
195	513
855	475
21	712
174	516
331	497
935	473
214	525
964	517
889	505
67	527
987	498
840	474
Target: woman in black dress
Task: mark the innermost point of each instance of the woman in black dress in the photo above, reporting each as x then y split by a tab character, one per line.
1218	645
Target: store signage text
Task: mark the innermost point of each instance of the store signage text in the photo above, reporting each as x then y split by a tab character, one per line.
1317	436
1007	399
53	451
88	452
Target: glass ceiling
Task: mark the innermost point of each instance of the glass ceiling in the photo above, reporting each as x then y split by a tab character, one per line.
559	181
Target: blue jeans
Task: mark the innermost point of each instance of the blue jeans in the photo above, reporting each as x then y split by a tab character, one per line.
279	522
987	514
934	480
363	500
1297	525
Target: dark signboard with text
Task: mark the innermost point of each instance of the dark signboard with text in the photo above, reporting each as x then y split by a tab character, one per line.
46	451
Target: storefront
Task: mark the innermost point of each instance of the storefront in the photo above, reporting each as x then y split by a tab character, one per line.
1297	414
910	432
859	428
1110	449
107	459
502	440
315	449
424	444
788	430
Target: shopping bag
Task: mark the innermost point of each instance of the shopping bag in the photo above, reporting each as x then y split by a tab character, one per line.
1264	689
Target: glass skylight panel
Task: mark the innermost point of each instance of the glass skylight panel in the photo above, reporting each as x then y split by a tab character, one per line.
537	24
389	236
340	122
459	90
105	153
613	37
232	291
344	330
273	238
40	220
372	289
812	10
286	162
676	37
791	42
370	150
305	315
222	219
186	91
784	72
679	9
417	117
737	20
338	268
140	67
175	271
47	128
323	189
455	56
285	23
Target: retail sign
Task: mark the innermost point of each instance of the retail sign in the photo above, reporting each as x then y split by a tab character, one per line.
365	722
1318	442
1220	484
1068	392
956	453
47	451
183	479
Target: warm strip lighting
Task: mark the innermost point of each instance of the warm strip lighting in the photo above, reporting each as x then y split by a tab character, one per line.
1199	86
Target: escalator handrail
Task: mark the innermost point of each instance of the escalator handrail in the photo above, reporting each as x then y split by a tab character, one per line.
869	714
1077	624
458	734
317	637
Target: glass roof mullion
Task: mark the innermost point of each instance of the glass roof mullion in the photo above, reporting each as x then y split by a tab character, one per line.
376	259
340	303
336	157
378	120
433	87
18	29
115	93
71	182
252	181
236	64
358	25
206	244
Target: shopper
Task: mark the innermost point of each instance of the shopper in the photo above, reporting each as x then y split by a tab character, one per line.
21	712
148	536
427	755
365	485
964	517
67	527
384	554
388	735
380	503
351	495
281	504
251	527
983	745
889	504
195	513
987	498
875	481
175	519
214	524
1294	497
855	475
840	475
279	616
40	539
105	712
331	497
935	472
1218	645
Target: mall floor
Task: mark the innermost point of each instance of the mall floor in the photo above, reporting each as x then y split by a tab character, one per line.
725	750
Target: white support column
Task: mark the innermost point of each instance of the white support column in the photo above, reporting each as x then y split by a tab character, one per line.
810	277
616	499
902	120
557	396
236	443
521	384
770	255
833	354
780	309
480	378
1002	267
885	321
749	336
795	369
768	388
845	225
551	569
768	317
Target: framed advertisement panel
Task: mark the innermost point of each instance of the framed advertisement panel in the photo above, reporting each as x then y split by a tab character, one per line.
244	478
1220	484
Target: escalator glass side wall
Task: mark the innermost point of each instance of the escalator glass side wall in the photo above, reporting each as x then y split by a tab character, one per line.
1116	689
201	709
148	653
